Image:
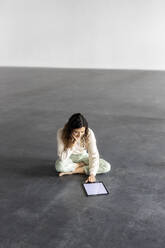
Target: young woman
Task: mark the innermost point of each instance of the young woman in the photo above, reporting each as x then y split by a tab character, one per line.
77	150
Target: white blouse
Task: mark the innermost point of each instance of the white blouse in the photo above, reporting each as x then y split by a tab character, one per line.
78	149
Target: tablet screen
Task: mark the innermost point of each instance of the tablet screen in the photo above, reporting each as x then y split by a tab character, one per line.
96	188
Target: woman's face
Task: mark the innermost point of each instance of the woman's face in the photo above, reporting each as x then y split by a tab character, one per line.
79	132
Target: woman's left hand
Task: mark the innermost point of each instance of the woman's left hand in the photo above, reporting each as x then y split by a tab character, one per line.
91	179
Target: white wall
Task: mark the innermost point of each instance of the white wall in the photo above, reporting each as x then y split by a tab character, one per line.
126	34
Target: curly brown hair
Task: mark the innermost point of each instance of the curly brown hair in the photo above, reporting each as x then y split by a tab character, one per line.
77	120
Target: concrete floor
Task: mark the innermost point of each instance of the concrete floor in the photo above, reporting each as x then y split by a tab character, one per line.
126	110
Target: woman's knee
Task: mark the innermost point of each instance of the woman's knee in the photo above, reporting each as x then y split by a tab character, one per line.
59	166
107	166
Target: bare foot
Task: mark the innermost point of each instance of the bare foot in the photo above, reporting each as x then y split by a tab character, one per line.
61	174
80	164
64	173
77	170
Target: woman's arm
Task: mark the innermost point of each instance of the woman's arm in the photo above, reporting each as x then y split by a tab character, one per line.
63	155
93	154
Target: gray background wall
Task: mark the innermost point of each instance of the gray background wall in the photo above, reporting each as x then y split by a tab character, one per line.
82	33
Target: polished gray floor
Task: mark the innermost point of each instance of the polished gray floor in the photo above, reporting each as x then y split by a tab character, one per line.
126	110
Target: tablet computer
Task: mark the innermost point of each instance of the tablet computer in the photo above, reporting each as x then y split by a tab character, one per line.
95	188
